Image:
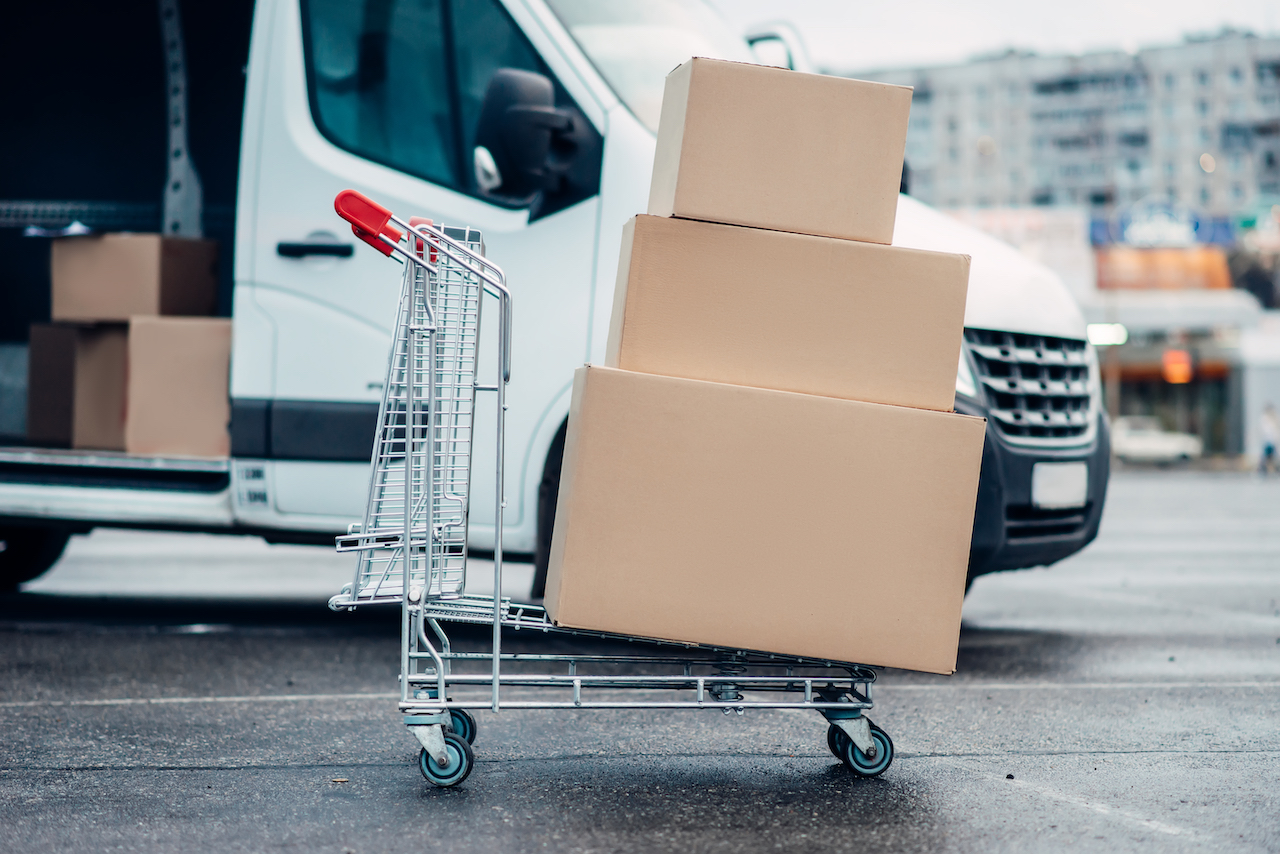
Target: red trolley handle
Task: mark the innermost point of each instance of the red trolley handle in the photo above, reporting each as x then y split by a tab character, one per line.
417	242
369	220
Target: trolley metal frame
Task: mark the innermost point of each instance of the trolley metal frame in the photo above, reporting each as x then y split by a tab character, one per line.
419	482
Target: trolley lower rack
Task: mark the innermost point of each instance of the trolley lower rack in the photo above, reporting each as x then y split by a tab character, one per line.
687	677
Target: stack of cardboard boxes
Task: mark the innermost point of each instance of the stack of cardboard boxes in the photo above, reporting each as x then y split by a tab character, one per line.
133	361
769	459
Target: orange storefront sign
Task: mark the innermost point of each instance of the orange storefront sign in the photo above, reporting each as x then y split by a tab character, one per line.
1146	372
1176	365
1194	268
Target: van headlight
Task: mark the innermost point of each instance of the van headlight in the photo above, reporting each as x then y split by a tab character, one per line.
1095	378
965	382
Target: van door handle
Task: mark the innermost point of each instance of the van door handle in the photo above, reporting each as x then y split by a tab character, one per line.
302	250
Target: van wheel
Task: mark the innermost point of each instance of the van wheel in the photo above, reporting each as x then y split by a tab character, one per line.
548	492
27	552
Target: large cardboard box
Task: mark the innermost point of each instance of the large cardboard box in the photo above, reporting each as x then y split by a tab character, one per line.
113	277
766	520
771	148
178	379
788	311
76	386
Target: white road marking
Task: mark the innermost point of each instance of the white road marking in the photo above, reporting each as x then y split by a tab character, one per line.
162	701
1269	622
1125	816
1075	686
948	686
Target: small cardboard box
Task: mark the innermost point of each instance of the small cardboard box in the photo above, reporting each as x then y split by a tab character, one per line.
76	386
764	520
113	277
178	381
771	148
788	311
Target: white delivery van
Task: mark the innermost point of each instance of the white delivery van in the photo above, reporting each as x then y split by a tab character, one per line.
394	98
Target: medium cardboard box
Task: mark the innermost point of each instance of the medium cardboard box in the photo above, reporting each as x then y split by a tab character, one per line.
764	520
788	311
76	386
771	148
113	277
178	377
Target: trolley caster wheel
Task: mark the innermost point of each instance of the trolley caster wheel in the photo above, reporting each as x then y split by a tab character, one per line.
460	761
461	722
862	765
835	740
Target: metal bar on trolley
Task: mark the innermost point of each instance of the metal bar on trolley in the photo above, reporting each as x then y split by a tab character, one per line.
406	537
546	679
522	705
500	491
855	673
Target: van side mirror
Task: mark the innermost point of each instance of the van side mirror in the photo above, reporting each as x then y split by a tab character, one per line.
524	144
771	50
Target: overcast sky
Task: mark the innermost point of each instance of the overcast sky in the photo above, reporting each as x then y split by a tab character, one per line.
852	35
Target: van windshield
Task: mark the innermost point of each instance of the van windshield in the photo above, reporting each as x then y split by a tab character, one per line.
635	43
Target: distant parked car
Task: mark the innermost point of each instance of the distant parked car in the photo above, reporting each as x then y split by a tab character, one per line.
1141	439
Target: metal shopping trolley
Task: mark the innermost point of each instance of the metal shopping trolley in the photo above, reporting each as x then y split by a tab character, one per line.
412	544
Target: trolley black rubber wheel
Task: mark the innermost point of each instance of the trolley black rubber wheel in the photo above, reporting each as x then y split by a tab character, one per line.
835	737
461	759
858	762
461	722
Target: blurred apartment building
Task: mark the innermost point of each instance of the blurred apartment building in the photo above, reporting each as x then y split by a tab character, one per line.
1151	182
1103	129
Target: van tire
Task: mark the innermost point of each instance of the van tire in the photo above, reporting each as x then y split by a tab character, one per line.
548	492
28	553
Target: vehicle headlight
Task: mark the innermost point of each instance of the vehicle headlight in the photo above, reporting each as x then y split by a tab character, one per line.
1095	377
965	383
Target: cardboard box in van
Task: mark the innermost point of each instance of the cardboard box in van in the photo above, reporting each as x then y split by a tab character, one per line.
771	148
788	311
764	520
76	386
178	381
113	277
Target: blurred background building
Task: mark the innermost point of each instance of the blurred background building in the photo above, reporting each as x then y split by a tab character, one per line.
1105	130
1150	181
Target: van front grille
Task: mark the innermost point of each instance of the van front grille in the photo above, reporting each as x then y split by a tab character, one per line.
1025	522
1037	387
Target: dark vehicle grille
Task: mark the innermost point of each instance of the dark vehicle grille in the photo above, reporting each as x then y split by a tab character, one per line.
1037	387
1025	521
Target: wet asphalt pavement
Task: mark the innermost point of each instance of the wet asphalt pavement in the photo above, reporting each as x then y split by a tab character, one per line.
1130	692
